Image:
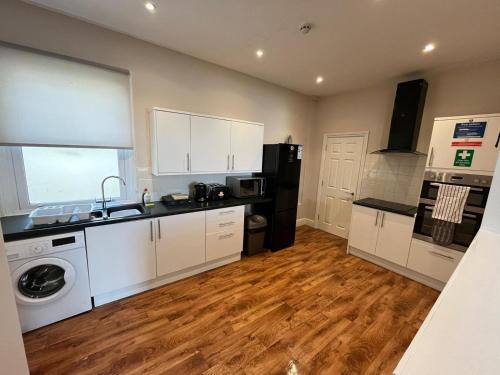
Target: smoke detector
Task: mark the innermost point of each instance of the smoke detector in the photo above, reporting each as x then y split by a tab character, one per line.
305	28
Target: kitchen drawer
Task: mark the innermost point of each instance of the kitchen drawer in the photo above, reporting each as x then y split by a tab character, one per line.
433	260
225	224
222	244
225	214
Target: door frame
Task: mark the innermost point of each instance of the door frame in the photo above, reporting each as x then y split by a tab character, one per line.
362	133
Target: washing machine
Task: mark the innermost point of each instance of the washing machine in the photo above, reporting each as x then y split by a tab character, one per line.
50	278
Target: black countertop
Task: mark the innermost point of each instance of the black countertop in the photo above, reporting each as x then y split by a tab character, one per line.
20	227
379	204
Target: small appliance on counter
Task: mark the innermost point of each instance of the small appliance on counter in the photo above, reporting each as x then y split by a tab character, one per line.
216	191
246	186
200	192
176	199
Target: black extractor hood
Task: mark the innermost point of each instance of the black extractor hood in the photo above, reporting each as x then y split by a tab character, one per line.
406	118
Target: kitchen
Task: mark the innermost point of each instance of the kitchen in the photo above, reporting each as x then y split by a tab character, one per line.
166	84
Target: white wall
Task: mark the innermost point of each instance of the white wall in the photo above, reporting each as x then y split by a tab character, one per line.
163	78
491	220
472	89
12	354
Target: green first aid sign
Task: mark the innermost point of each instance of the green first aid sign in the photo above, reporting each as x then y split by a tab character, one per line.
463	158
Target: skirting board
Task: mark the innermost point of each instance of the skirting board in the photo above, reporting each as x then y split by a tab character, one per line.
162	280
305	221
418	277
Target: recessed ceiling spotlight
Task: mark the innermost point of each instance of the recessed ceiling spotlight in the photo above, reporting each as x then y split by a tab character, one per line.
429	48
259	53
150	6
319	79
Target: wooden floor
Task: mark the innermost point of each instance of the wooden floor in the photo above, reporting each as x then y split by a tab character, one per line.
311	304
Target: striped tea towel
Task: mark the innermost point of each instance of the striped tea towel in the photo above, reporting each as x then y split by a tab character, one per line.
450	203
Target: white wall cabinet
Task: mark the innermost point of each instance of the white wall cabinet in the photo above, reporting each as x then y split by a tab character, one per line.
210	145
247	142
170	142
180	242
442	154
184	143
381	233
120	255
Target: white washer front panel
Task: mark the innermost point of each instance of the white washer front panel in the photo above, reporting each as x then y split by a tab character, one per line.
69	280
72	301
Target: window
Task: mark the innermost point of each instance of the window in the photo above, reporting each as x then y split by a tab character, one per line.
69	174
51	175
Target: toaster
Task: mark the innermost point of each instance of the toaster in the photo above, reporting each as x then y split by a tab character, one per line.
217	192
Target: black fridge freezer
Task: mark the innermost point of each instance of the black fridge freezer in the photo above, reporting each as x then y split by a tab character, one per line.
281	167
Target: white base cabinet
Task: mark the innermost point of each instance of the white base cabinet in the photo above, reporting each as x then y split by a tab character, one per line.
180	242
224	232
120	255
130	257
386	239
364	228
394	237
432	260
387	235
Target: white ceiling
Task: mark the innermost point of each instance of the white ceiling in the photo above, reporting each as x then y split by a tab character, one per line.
354	43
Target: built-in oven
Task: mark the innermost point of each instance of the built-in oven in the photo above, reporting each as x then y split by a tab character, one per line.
473	212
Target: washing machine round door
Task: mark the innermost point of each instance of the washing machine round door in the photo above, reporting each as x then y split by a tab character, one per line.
43	280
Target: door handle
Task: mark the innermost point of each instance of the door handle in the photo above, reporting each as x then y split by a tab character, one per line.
188	162
441	255
382	220
227	161
223	237
233	162
151	230
376	219
226	224
498	140
159	230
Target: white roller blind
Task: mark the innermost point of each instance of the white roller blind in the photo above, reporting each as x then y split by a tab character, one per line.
52	101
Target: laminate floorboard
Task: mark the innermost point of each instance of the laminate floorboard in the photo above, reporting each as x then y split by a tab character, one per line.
310	306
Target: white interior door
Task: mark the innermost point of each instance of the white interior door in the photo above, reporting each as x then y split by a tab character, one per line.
340	174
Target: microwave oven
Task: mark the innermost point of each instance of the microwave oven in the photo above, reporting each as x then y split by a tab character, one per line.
244	187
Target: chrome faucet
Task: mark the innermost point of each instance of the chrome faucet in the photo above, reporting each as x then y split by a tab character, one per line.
102	190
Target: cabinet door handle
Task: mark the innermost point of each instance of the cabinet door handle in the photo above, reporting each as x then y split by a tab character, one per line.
382	220
228	161
226	224
151	230
159	230
431	157
441	255
233	162
226	212
188	162
225	236
498	140
376	219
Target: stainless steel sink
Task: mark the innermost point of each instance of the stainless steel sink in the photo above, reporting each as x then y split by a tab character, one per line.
125	211
118	212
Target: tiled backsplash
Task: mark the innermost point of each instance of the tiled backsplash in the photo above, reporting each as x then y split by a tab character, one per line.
391	177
